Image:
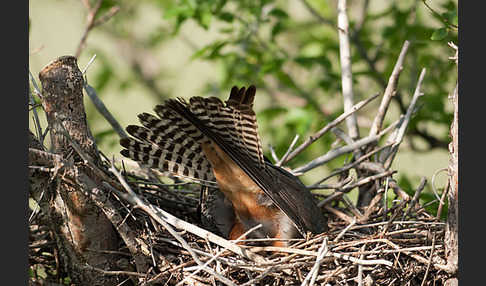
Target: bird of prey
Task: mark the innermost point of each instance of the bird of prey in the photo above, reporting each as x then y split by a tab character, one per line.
216	144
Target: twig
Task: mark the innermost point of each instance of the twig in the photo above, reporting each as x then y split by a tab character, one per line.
346	74
312	275
336	186
92	22
360	267
357	213
430	260
351	165
317	15
161	215
201	267
341	234
362	261
432	182
256	249
389	91
442	199
154	212
415	198
385	200
338	213
34	110
114	272
342	150
100	106
388	158
348	188
91	17
88	65
274	155
443	19
342	135
367	180
328	127
291	146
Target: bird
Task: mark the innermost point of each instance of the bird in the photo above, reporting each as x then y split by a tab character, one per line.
216	144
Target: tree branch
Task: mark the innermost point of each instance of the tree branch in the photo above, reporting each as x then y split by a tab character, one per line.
346	73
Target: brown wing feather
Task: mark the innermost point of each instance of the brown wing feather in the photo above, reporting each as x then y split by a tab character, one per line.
284	189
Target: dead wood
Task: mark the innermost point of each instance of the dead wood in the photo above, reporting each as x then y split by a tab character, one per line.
81	230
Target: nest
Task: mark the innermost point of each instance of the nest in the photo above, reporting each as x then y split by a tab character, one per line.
397	245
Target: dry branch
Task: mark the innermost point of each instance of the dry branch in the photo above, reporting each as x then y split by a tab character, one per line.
80	228
346	73
92	21
328	127
390	91
342	150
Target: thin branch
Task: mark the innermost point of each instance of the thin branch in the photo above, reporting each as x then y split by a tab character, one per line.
389	91
88	65
348	188
346	73
160	215
350	165
34	110
328	127
334	153
432	182
317	15
291	146
362	261
312	275
92	22
114	272
442	199
416	197
273	153
443	19
100	106
430	260
341	234
201	267
388	158
155	213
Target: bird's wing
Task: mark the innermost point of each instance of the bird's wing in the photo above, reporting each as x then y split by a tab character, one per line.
171	144
233	127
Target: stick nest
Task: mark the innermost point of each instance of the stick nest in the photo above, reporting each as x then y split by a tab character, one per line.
399	245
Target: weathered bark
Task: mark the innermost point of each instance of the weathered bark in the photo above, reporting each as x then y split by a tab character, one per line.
451	240
81	229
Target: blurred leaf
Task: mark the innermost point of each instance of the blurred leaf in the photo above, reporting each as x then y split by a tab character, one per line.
270	113
176	11
310	61
209	51
439	34
300	119
279	13
271	66
205	19
285	78
103	77
451	17
277	29
100	136
226	16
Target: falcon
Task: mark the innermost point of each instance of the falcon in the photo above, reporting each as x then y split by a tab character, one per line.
216	144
